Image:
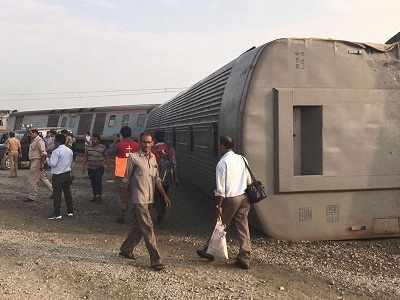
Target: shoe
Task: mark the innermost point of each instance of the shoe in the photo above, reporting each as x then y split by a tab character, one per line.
242	264
70	214
99	199
28	199
202	253
158	267
128	256
55	217
94	199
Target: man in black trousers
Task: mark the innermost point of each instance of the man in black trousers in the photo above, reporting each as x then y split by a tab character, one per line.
60	163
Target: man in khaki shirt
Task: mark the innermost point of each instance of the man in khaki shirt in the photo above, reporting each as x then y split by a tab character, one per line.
37	156
142	178
13	149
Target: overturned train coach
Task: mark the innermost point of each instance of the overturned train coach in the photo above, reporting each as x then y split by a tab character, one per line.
105	121
319	123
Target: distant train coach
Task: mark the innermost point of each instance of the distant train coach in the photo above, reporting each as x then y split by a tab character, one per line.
319	121
105	121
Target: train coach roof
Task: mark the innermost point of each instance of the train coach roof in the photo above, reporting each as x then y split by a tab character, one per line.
395	44
394	39
147	107
364	45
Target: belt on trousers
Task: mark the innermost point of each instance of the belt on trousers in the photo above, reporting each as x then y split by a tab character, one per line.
65	173
242	196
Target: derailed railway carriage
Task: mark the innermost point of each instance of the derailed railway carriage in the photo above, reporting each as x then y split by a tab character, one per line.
319	121
105	121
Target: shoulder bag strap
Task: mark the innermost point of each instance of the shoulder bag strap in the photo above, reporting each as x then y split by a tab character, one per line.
248	168
226	177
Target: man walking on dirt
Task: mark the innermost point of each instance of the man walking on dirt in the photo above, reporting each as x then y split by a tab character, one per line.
60	163
121	148
232	178
14	150
37	156
142	177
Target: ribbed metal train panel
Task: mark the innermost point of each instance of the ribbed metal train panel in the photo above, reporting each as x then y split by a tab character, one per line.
190	123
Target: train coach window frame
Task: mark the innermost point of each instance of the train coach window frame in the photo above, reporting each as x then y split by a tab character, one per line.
307	140
72	122
174	138
141	119
191	139
64	121
111	121
183	138
202	140
125	120
340	108
215	140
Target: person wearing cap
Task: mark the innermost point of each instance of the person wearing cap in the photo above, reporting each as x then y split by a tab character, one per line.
37	157
14	150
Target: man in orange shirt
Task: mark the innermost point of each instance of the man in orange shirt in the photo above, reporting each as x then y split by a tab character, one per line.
14	150
121	149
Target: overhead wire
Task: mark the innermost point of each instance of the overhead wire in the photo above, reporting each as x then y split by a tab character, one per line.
89	96
166	89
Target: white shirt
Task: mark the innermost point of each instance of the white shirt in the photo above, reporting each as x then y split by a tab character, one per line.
88	140
60	160
232	175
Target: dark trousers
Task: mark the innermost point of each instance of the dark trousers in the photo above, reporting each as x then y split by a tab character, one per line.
62	184
142	228
96	180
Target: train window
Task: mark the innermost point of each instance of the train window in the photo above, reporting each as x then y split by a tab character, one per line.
174	138
18	123
111	121
183	139
215	140
72	122
125	120
307	140
140	120
64	121
191	140
202	138
1	122
52	120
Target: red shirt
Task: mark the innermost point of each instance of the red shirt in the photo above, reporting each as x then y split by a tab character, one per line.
162	149
126	146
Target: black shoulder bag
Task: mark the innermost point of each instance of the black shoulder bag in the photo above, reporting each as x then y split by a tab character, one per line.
255	190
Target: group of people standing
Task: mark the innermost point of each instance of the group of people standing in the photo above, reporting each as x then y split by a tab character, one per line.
144	172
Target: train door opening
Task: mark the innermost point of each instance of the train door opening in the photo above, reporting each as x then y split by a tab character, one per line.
99	122
307	140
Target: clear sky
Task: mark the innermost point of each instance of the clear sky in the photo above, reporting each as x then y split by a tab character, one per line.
70	48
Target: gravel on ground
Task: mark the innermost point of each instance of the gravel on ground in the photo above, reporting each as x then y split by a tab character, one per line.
78	258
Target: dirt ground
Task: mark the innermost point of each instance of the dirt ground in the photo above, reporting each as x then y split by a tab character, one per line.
77	258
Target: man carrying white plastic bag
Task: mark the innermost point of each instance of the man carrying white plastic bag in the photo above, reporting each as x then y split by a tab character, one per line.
217	243
233	205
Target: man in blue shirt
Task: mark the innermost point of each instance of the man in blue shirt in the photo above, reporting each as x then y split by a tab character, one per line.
60	163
